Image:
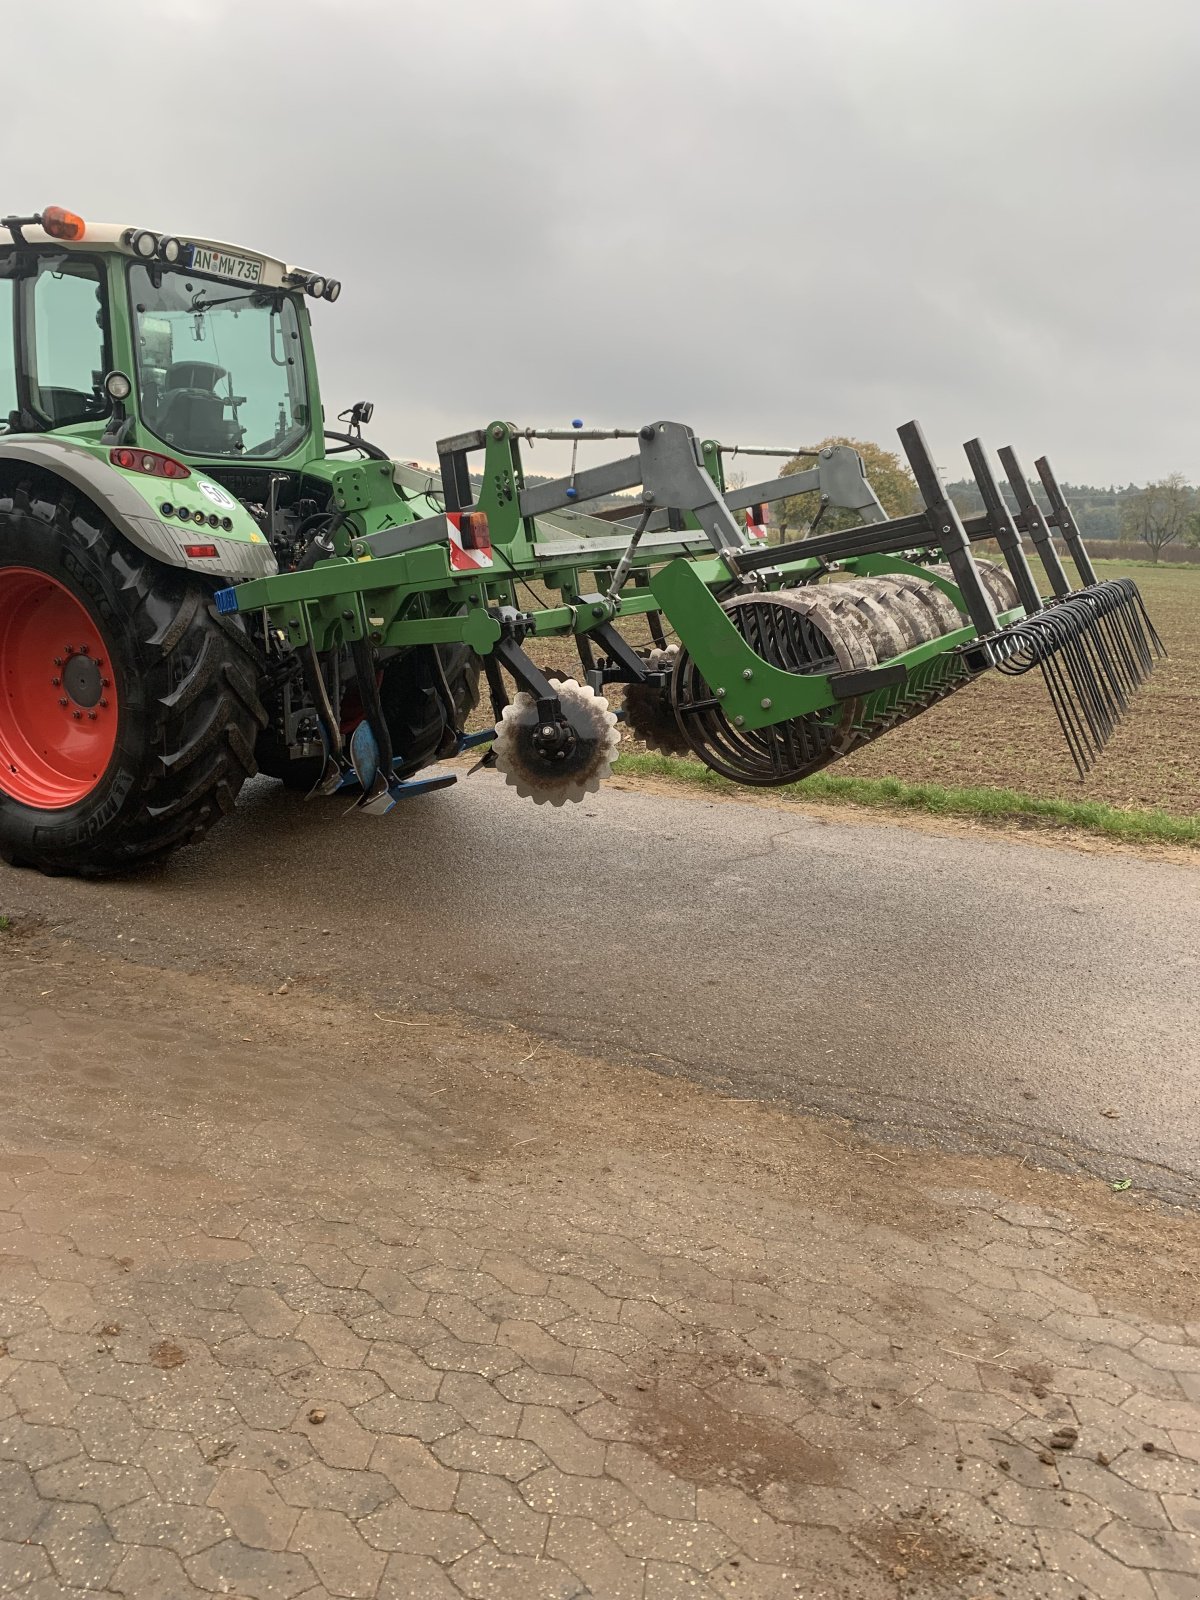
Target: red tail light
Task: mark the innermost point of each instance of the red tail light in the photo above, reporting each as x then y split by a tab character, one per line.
197	552
476	535
154	466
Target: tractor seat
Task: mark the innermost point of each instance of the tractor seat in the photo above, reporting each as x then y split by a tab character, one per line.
191	415
203	375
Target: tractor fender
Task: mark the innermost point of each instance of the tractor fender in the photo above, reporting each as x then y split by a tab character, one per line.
131	515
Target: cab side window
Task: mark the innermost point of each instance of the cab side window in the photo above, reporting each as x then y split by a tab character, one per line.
66	325
8	362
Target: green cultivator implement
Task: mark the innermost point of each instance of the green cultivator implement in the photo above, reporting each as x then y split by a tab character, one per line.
198	580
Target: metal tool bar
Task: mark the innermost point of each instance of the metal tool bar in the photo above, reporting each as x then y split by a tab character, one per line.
668	465
839	478
593	483
753	494
1063	519
548	549
879	538
948	530
1032	522
1001	525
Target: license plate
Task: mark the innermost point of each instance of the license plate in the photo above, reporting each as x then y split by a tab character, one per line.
223	265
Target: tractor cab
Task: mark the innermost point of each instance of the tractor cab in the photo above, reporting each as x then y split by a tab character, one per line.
138	337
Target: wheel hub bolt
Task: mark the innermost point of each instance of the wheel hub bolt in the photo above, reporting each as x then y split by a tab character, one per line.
78	715
104	703
55	683
91	716
63	703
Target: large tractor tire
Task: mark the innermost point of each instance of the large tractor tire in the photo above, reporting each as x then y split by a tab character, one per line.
128	707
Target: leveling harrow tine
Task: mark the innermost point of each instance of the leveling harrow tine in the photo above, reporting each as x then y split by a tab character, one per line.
1094	646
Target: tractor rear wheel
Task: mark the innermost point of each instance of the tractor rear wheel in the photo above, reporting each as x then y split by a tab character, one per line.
128	707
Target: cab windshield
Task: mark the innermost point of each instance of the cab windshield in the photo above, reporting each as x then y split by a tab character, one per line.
220	365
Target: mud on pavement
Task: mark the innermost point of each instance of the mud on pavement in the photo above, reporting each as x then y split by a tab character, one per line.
297	1300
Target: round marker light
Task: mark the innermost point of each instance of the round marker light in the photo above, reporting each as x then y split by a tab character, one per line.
143	243
332	289
169	250
117	386
316	286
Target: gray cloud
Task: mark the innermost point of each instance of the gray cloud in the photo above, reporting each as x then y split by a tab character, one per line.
774	219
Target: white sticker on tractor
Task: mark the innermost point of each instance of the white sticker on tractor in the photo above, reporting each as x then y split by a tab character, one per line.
216	494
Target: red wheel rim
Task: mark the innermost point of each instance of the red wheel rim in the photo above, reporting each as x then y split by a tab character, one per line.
58	701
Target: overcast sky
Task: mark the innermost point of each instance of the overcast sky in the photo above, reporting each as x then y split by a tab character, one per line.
772	219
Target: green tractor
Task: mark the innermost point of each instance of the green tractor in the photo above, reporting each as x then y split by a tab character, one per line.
199	580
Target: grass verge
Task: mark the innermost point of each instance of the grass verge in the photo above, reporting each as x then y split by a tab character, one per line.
890	794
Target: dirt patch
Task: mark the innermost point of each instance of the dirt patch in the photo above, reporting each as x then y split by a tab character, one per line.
920	1547
1140	1260
166	1355
706	1443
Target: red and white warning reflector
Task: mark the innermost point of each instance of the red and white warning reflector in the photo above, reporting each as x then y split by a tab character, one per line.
470	540
758	520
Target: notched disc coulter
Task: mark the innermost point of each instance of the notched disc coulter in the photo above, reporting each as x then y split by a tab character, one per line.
650	709
576	765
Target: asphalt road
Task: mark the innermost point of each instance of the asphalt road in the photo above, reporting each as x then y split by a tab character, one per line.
974	990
